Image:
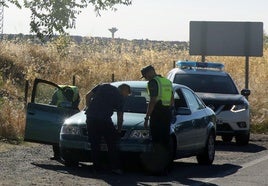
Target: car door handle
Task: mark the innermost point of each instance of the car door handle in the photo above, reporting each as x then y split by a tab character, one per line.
31	113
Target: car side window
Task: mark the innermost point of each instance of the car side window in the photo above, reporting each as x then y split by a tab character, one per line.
200	102
44	93
179	100
191	99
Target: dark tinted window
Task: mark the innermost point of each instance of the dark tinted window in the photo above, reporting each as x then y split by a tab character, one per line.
137	102
140	92
207	83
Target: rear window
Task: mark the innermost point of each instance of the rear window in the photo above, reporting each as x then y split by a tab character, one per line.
137	101
207	83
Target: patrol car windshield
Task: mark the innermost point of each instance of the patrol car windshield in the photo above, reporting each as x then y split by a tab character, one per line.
207	83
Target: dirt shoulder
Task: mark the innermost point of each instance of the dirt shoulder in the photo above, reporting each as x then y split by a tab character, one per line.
259	137
6	145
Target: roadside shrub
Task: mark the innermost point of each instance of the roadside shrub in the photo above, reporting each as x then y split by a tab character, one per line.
94	61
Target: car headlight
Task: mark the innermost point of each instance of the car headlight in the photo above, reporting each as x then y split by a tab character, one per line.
70	129
139	134
239	108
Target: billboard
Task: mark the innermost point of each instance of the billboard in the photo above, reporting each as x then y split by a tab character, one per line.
210	38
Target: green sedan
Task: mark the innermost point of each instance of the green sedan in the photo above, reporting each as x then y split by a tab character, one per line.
192	133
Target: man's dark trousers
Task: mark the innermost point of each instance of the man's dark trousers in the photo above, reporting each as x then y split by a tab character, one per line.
98	128
160	124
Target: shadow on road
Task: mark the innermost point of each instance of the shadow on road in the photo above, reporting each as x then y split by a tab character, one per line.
232	146
181	173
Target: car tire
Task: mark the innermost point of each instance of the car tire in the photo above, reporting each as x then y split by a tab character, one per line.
159	160
130	160
242	139
207	156
70	162
226	138
171	153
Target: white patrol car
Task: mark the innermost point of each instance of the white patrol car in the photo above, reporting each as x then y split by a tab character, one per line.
218	91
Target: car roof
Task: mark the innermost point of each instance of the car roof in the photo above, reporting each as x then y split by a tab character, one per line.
143	84
201	68
198	71
138	84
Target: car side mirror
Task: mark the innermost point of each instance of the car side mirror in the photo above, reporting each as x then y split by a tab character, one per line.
245	92
183	111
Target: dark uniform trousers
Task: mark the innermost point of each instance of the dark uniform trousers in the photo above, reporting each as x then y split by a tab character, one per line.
160	124
97	129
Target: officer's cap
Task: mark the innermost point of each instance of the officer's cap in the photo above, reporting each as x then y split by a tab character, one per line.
146	69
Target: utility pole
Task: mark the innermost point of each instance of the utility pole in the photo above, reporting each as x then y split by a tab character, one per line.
113	30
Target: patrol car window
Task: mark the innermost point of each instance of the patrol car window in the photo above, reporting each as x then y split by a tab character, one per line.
191	99
179	100
200	102
207	83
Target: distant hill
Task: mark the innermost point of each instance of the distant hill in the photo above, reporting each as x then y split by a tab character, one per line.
143	44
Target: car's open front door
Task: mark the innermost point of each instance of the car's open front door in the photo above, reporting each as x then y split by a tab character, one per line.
43	119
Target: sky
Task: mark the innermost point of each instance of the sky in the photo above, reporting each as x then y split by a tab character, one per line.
163	20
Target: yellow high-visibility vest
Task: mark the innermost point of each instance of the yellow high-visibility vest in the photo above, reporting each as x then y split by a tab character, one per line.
164	90
61	98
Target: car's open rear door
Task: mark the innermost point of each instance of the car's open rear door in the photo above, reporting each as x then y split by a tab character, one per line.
44	120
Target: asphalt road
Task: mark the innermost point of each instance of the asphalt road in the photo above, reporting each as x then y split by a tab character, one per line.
252	173
234	165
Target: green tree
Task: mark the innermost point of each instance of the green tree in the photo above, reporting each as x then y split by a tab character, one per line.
49	17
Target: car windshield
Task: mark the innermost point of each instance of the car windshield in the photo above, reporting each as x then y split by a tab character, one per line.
207	83
137	101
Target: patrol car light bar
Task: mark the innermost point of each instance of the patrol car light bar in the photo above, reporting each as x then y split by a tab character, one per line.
194	65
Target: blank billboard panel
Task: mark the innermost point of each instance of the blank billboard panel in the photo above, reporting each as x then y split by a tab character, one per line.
208	38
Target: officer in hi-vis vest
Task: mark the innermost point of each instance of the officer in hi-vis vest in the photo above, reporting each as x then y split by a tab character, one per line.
67	97
159	112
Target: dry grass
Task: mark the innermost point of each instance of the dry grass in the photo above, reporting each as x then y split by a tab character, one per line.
62	59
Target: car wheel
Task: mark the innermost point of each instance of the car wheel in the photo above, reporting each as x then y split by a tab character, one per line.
70	162
207	156
242	139
130	160
171	152
159	159
226	138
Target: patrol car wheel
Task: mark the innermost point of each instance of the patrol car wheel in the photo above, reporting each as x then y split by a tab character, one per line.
159	160
172	152
207	157
242	139
70	162
226	138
